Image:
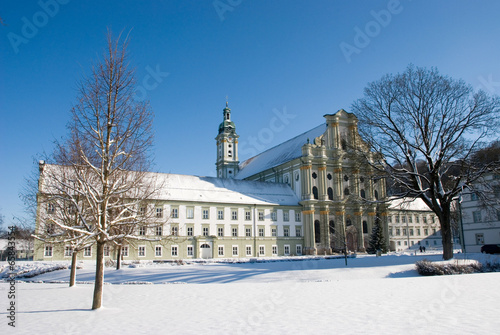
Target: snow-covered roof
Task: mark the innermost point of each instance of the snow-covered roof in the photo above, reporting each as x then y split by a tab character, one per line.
217	190
408	204
279	154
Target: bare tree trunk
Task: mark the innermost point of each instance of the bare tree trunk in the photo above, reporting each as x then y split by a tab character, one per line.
446	235
72	276
119	257
99	276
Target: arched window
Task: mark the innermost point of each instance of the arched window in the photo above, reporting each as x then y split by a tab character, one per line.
346	191
365	227
315	192
317	233
330	193
331	225
376	195
229	153
348	222
343	142
363	194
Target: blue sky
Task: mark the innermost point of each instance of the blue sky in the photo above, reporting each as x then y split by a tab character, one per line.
283	64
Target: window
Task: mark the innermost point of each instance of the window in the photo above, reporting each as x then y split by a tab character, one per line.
315	192
87	252
175	231
235	250
433	218
274	216
68	251
480	238
417	219
498	215
189	213
248	215
48	251
142	211
159	230
190	252
403	219
51	209
189	231
142	230
397	218
275	249
248	250
477	216
424	219
124	251
205	231
390	231
297	216
426	231
205	214
262	250
474	196
410	218
411	231
404	231
298	249
362	193
261	232
375	194
220	214
261	215
365	227
234	214
286	231
221	250
346	191
106	250
286	216
234	232
174	251
174	213
314	175
159	212
287	249
330	193
141	252
273	231
248	232
418	231
220	231
158	251
398	231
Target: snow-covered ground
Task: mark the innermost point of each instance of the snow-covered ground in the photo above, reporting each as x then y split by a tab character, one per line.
371	295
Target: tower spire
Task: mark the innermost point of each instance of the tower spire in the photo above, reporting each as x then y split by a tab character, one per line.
227	146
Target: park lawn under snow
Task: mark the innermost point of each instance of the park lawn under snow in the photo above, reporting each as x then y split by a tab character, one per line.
372	295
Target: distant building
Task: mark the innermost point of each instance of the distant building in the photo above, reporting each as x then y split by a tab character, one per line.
480	219
313	194
412	225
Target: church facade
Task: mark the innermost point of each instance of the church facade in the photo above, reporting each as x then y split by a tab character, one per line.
315	194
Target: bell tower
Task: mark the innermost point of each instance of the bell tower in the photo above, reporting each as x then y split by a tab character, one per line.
227	147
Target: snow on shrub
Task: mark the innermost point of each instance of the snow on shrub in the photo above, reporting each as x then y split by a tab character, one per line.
428	268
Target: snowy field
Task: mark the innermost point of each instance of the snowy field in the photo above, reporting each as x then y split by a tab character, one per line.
372	295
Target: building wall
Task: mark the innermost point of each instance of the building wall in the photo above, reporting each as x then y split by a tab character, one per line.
413	229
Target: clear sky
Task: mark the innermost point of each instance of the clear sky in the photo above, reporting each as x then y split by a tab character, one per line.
283	64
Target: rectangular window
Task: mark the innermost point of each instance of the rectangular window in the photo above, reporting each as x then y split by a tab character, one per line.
417	219
87	252
275	249
106	250
158	251
287	250
220	214
248	215
174	251
261	232
298	231
261	215
474	196
234	232
221	250
189	213
51	209
274	216
397	218
68	251
248	250
403	219
190	252
234	214
141	251
48	251
125	251
398	231
174	213
142	230
411	231
480	238
418	231
205	214
286	231
248	232
142	211
426	231
476	216
498	215
273	231
390	231
175	230
299	249
159	212
262	250
410	218
424	218
220	231
205	231
189	231
235	250
286	216
389	219
297	216
159	230
404	231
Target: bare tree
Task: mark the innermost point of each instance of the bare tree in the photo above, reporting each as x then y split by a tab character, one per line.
427	126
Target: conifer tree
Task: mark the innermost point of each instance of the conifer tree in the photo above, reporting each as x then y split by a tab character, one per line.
377	239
